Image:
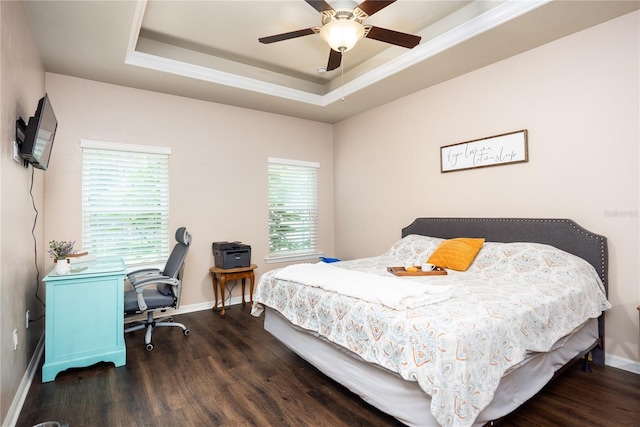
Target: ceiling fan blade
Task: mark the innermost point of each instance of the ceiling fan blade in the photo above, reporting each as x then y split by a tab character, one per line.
287	36
372	6
319	5
335	58
394	37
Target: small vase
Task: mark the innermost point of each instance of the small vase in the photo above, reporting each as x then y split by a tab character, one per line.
62	266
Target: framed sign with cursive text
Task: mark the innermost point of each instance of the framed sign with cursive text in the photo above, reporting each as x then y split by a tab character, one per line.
491	151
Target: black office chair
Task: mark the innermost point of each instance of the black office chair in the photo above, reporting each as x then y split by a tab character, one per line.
155	290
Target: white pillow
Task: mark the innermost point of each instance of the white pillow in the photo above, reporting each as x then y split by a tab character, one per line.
413	248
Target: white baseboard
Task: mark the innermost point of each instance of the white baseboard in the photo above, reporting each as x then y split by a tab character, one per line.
191	308
25	384
208	305
622	363
23	389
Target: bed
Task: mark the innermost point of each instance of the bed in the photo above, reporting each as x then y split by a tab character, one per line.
461	349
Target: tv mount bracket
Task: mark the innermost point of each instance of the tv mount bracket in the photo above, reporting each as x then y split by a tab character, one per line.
21	128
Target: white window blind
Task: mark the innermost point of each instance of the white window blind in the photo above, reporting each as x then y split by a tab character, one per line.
293	208
125	201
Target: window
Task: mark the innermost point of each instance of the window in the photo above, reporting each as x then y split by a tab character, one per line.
293	209
125	201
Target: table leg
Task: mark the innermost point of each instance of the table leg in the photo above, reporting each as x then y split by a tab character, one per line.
223	285
243	285
252	279
214	281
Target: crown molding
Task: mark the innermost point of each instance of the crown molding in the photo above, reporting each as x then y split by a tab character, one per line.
504	12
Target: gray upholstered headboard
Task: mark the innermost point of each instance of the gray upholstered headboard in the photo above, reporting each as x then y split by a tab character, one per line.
564	234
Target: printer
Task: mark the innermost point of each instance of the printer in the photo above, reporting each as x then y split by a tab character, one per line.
231	255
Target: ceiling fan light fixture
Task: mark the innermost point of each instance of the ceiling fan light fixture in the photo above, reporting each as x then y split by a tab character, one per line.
342	34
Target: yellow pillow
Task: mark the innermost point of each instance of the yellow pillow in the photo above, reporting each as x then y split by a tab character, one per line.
456	254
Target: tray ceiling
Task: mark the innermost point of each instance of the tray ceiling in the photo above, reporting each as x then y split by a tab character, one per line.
209	50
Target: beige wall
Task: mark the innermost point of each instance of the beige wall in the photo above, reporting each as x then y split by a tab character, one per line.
218	166
21	85
579	99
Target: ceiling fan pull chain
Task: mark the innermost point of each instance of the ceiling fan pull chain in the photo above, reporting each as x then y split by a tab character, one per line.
342	77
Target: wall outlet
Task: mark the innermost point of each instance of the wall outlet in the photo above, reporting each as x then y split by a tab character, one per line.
16	152
27	318
15	339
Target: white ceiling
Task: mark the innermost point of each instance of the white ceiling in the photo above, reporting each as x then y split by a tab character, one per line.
209	50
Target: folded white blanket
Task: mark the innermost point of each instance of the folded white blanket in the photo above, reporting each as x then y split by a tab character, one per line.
393	292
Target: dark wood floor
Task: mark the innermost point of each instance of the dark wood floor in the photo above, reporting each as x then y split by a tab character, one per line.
230	372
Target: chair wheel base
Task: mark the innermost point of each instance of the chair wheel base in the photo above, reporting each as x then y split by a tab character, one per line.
149	347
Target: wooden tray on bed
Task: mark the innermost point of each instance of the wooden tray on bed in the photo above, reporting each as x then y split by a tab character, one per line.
400	271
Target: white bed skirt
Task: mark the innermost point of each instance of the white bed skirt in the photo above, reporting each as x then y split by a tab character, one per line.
405	400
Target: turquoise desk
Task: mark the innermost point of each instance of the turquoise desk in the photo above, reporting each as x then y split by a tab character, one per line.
84	316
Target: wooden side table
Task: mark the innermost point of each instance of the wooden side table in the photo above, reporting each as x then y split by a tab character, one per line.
232	274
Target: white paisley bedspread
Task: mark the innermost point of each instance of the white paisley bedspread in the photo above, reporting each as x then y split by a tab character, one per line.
515	298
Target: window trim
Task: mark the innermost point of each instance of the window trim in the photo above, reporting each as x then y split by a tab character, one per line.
117	146
291	162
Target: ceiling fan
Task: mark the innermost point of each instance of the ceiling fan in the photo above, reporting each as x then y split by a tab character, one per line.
342	27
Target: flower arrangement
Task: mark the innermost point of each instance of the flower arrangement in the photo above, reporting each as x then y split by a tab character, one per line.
61	249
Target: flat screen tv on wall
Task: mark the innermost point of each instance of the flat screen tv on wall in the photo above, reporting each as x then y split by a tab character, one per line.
39	134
